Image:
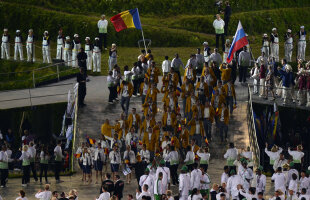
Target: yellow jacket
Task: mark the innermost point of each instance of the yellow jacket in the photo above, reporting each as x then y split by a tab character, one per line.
226	115
205	88
153	95
165	116
212	74
221	100
144	127
156	74
141	88
196	148
221	90
119	130
193	123
188	106
185	138
130	89
232	88
130	120
150	144
146	109
106	129
186	92
166	101
211	113
175	142
193	78
225	73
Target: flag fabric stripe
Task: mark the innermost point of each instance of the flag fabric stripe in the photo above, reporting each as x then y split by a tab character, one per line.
239	41
126	19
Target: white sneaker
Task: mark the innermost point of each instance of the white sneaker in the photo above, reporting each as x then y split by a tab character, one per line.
134	95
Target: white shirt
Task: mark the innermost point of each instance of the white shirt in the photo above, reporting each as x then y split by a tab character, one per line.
206	112
206	179
4	157
45	195
204	156
18	198
196	175
218	24
279	163
297	155
279	181
293	186
159	187
166	177
104	196
260	183
130	156
231	153
139	196
166	65
195	197
172	157
224	178
190	156
184	185
216	57
304	182
102	24
273	155
58	151
32	152
115	157
232	184
145	155
148	180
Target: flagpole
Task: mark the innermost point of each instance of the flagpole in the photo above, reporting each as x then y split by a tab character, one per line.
142	32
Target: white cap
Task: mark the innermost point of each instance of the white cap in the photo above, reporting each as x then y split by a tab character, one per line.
87	38
30	30
113	45
17	31
289	30
205	43
5	29
302	27
96	38
45	32
76	35
274	29
265	35
68	38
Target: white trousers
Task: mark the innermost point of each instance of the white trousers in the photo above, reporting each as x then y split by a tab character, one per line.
255	86
275	51
262	87
301	50
60	52
285	94
46	54
74	58
97	62
288	50
266	51
301	97
67	57
18	49
89	60
5	51
279	88
308	98
112	62
30	52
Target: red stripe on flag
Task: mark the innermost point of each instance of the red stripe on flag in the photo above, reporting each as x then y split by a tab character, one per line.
118	23
238	45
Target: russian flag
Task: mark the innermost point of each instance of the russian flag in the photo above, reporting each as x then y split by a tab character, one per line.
240	40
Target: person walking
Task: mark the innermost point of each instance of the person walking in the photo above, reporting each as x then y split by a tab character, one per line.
58	161
218	25
112	57
244	63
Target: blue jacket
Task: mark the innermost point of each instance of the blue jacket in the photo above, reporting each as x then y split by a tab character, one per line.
287	78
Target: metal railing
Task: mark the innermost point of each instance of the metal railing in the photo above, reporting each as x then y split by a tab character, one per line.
37	75
252	131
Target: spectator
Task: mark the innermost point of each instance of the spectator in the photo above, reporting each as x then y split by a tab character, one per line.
218	25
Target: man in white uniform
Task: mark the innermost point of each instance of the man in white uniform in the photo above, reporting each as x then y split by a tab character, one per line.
18	48
89	52
30	47
68	51
75	50
302	43
97	56
60	45
5	45
46	48
274	45
288	48
279	180
166	175
184	185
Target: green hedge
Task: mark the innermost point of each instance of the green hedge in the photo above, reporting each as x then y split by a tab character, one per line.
42	19
256	22
159	7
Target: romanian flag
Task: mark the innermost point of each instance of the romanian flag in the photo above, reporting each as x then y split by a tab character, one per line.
90	140
140	142
178	91
126	19
172	141
106	151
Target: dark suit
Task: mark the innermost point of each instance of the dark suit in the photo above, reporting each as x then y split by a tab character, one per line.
109	184
118	189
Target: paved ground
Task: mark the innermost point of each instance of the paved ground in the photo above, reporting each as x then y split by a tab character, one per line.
91	118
